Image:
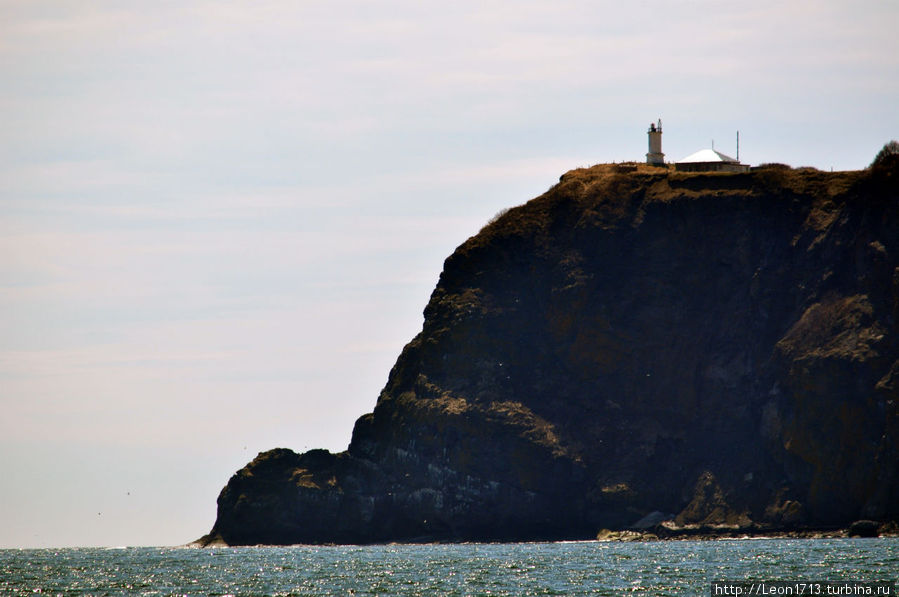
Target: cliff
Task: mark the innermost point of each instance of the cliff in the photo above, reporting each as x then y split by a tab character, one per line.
718	349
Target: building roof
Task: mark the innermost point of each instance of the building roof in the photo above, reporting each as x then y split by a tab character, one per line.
705	156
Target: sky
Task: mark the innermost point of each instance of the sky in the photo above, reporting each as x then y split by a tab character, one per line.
220	221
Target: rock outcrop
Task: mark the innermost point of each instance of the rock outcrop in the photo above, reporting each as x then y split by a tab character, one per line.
723	347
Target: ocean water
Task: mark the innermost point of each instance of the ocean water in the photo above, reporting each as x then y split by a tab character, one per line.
577	568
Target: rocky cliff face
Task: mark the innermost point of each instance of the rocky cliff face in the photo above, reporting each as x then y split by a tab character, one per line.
722	348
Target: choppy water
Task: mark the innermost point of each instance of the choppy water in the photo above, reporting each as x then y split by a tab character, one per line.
583	568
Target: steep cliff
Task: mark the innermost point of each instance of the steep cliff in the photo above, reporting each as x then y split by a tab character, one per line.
719	347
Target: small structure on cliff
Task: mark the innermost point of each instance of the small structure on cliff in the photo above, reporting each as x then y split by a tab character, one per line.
655	157
705	160
709	160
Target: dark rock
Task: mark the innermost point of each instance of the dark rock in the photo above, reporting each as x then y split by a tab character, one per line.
708	506
864	528
722	346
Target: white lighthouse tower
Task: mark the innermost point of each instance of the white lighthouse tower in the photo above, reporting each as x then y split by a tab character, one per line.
655	157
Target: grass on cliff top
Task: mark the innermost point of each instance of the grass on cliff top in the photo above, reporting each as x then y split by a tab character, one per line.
610	195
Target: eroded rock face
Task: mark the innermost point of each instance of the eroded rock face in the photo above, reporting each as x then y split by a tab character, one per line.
723	346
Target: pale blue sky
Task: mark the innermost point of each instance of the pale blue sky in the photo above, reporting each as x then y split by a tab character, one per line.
220	221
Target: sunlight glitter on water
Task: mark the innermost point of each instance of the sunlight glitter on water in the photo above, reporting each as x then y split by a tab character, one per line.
659	568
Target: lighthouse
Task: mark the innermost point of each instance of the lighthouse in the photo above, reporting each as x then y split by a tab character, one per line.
655	157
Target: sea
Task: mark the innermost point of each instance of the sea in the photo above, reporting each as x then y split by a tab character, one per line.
494	569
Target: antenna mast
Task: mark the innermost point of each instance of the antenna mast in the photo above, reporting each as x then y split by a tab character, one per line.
738	146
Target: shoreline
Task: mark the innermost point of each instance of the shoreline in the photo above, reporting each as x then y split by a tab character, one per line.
668	531
655	534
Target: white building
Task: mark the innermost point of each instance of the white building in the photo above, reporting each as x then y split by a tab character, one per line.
709	160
